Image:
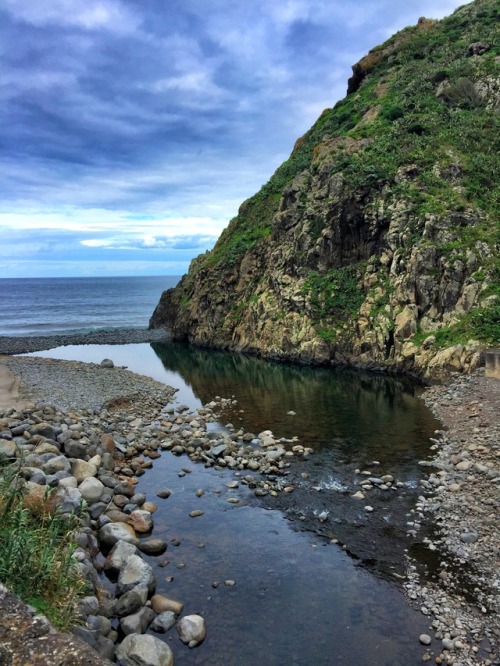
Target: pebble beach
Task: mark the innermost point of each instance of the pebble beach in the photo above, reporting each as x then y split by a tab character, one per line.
102	427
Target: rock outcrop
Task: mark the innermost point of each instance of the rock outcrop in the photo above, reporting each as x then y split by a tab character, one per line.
376	243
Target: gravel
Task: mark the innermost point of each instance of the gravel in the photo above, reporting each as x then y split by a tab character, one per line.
26	345
71	384
462	500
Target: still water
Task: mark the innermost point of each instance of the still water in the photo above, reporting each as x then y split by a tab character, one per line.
298	598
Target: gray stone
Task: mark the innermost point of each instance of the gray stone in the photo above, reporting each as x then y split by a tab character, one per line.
82	470
91	489
191	630
74	449
57	464
135	572
469	537
144	650
132	601
153	546
138	622
118	555
107	363
113	532
163	622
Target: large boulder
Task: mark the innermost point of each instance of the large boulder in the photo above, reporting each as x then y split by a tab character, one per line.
118	555
144	650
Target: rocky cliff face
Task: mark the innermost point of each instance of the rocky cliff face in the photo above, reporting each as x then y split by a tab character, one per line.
376	242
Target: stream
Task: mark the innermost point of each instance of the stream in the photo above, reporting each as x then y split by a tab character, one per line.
307	591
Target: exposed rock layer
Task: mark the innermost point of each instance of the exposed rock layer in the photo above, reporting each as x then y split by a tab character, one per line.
375	244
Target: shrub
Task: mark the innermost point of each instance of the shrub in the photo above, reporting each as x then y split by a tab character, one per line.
36	548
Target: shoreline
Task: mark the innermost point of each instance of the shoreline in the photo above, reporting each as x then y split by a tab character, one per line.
9	346
461	499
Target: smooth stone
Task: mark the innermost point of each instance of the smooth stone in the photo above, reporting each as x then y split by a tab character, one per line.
164	494
107	363
153	546
113	532
135	572
192	630
144	650
91	489
425	639
196	513
468	537
57	464
149	506
160	604
81	470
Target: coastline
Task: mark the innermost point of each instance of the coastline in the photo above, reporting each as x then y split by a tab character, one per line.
465	621
116	336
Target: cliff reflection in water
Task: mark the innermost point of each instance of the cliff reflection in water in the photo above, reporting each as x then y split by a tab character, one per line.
339	406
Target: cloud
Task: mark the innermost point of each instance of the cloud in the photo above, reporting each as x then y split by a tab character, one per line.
145	122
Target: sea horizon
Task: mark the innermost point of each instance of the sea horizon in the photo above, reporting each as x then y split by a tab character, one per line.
69	305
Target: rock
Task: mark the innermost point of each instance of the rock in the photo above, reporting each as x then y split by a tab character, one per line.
144	650
192	630
160	604
81	470
141	521
196	513
118	555
132	601
135	572
91	489
164	494
113	532
57	464
8	449
163	622
468	537
138	622
107	363
153	546
425	639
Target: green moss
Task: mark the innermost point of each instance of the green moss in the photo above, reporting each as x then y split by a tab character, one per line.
335	294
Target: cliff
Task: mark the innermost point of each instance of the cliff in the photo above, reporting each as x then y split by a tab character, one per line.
376	243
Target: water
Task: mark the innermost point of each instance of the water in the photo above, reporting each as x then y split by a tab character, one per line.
53	306
298	598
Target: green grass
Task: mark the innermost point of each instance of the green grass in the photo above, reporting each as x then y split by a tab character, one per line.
36	547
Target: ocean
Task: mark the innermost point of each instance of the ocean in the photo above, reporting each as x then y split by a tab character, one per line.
54	306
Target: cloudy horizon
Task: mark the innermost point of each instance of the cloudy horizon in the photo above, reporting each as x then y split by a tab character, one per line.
132	132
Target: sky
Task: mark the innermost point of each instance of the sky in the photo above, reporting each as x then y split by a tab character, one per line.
132	130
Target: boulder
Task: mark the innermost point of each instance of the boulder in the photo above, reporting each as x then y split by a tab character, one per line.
81	470
191	630
144	650
141	521
91	489
112	532
135	572
118	555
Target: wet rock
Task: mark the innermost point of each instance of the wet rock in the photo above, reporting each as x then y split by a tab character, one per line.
138	622
153	546
160	604
192	630
114	532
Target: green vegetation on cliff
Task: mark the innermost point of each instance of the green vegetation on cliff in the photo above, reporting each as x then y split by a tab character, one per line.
386	216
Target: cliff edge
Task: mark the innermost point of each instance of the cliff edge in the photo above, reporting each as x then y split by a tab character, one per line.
376	243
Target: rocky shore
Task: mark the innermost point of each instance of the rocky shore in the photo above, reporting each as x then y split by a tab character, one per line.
90	431
461	499
102	428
